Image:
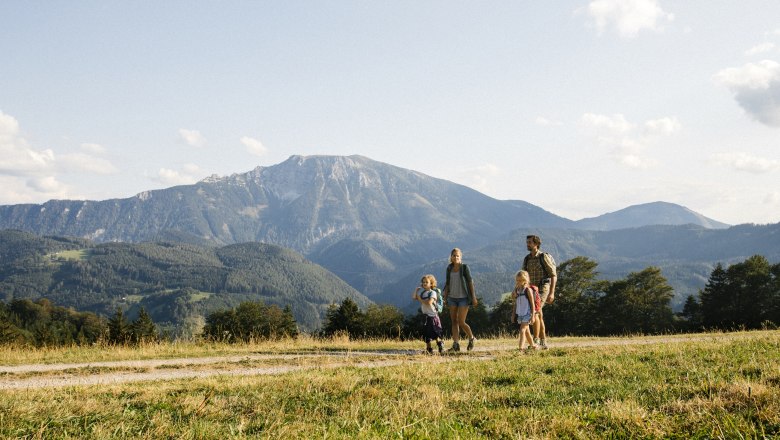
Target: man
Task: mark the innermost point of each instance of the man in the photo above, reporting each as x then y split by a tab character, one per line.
542	272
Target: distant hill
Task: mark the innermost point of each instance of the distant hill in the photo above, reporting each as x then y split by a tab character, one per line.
656	213
686	254
173	281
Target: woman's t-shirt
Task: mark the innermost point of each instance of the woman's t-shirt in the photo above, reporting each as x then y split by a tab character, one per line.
457	289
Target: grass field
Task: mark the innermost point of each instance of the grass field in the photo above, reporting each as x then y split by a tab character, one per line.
717	386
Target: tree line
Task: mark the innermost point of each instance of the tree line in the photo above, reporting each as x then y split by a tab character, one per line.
743	295
746	295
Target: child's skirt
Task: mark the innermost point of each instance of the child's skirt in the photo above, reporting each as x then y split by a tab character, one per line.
432	329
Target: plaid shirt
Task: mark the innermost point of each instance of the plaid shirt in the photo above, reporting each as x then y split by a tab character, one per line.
535	271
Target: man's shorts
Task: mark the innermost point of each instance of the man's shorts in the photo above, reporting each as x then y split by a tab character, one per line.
544	292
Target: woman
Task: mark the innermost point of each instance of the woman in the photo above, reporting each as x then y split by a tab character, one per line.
459	294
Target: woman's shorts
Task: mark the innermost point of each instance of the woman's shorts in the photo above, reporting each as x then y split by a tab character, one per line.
524	319
458	302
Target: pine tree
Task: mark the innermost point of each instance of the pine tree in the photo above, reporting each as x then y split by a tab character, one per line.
143	328
118	328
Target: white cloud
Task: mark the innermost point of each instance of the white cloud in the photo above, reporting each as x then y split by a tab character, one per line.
480	177
624	140
761	48
544	122
78	162
16	156
187	175
772	198
253	146
93	148
613	125
663	126
746	162
193	138
756	87
628	17
46	184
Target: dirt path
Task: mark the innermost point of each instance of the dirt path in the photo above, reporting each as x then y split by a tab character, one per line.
115	372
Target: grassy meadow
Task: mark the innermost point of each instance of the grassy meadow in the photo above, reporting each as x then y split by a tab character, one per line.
720	385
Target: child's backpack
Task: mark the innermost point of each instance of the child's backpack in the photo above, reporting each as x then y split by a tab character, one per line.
439	303
439	300
537	297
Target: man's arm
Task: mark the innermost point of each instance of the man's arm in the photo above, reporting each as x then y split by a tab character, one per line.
551	296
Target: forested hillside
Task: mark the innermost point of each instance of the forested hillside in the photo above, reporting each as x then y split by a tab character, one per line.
685	254
176	283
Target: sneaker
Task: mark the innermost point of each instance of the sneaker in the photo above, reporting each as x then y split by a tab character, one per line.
455	347
536	341
441	346
543	344
471	344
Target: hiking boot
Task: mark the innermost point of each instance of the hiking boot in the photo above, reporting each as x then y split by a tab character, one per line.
455	347
471	344
440	344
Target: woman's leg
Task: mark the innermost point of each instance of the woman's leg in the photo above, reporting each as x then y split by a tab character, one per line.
462	312
454	321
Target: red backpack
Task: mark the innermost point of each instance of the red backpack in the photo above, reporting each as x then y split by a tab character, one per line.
537	297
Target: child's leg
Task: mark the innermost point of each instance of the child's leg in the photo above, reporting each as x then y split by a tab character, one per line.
523	332
529	337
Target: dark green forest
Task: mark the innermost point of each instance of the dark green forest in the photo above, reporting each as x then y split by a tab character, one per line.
176	283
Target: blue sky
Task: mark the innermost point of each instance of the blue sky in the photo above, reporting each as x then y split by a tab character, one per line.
580	107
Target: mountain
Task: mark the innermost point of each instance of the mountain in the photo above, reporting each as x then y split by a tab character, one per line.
657	213
368	222
173	281
355	216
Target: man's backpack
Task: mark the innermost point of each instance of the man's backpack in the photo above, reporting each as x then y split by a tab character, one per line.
541	262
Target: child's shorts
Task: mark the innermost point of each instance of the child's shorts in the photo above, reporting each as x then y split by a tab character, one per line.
432	329
524	319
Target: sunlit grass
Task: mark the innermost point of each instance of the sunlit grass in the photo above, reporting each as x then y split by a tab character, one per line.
719	386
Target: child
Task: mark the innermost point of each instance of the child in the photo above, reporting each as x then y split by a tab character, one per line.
432	327
524	308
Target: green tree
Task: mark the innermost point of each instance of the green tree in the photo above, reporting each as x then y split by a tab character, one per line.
638	304
717	305
501	317
744	295
143	328
383	321
577	296
344	318
119	331
691	313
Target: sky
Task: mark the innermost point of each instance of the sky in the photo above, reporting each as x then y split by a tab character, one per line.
578	107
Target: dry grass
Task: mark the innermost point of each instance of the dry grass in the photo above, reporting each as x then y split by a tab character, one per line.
720	386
